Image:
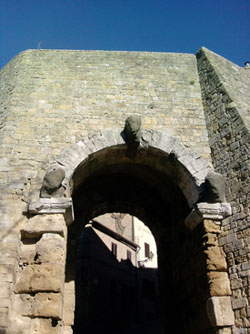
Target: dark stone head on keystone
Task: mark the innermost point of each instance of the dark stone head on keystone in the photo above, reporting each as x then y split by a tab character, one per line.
132	130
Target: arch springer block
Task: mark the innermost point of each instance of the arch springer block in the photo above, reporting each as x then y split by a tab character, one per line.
212	211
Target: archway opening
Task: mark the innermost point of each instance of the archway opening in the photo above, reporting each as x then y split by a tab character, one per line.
117	288
157	189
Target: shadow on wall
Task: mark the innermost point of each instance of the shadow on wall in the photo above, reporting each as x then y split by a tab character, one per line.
113	296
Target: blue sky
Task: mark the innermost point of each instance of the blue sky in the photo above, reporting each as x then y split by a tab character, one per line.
222	26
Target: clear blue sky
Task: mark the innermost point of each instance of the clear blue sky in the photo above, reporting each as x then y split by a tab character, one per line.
222	26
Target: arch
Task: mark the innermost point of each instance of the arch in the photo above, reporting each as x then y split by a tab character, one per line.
174	176
160	183
193	168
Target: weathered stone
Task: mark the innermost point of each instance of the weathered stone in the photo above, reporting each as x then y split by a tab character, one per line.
219	283
45	326
51	206
226	330
27	253
47	305
226	105
19	324
220	311
67	330
22	304
132	130
50	249
211	227
69	303
4	302
214	189
207	211
6	273
4	316
238	303
40	224
52	182
5	289
236	283
216	259
40	304
40	277
101	88
210	239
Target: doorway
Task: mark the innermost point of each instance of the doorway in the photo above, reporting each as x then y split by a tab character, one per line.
152	186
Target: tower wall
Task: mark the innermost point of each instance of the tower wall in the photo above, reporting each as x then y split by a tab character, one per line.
52	99
225	92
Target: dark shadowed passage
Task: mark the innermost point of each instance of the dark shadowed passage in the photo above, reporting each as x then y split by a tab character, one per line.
110	302
112	295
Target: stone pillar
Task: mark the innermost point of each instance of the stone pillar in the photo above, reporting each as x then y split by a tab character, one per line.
218	306
37	305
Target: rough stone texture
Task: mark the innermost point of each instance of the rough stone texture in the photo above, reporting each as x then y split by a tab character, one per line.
50	100
46	244
40	277
132	130
52	182
214	189
211	227
41	304
67	330
23	325
45	326
47	305
219	284
226	99
69	303
97	85
55	106
37	225
220	311
215	256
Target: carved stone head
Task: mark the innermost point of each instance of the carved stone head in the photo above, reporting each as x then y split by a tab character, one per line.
132	130
213	189
52	182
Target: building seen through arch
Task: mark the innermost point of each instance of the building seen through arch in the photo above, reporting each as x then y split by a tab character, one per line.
117	286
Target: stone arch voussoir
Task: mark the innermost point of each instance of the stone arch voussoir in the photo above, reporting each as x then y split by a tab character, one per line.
195	166
57	212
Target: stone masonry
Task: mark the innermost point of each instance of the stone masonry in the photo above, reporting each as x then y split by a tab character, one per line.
226	99
60	107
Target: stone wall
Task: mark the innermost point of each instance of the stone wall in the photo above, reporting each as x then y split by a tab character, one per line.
38	299
55	97
51	100
226	107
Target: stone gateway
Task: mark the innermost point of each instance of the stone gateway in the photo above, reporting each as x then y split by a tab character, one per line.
161	136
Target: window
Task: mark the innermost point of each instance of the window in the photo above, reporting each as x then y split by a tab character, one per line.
129	255
114	249
146	250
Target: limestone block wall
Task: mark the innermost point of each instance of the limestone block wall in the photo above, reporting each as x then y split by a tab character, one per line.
50	99
60	95
235	80
226	106
37	302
